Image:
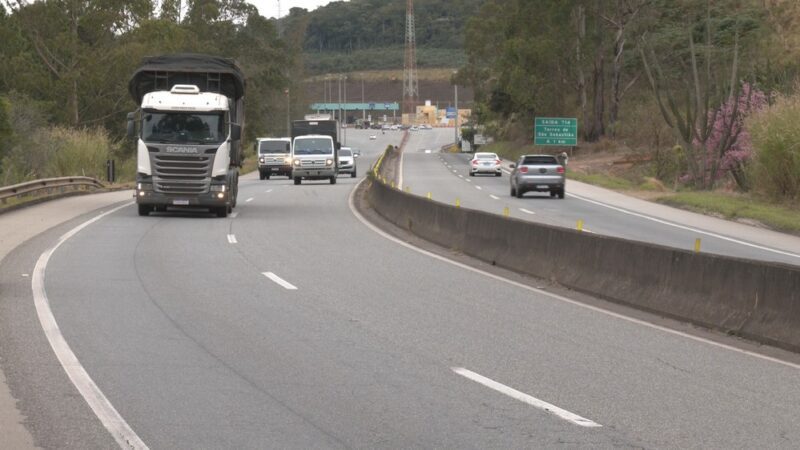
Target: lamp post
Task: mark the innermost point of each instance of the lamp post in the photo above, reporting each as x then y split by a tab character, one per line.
455	85
288	113
344	80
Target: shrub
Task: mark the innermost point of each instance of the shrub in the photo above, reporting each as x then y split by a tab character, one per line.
775	133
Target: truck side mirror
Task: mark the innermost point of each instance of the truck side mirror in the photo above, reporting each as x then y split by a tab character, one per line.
131	125
236	132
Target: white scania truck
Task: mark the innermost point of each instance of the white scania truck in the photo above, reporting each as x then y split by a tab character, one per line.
188	130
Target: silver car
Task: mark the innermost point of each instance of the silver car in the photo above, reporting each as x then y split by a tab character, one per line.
347	161
540	173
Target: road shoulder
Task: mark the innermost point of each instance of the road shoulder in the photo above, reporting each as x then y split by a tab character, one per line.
19	226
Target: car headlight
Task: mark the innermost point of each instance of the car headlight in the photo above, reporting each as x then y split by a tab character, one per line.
329	162
261	160
296	162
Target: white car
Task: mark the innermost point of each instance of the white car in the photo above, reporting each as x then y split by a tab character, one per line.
347	161
485	163
372	137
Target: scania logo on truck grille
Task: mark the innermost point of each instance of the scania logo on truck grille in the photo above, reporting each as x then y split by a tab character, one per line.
182	150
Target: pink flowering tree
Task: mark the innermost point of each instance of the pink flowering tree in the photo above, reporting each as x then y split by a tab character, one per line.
724	145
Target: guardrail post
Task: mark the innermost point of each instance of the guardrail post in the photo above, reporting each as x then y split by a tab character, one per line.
110	170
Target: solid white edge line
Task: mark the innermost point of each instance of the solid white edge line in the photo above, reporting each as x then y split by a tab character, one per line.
526	211
122	433
525	398
232	239
280	281
494	196
684	227
561	298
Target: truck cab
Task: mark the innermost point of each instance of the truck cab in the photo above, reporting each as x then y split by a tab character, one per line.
314	157
274	157
188	130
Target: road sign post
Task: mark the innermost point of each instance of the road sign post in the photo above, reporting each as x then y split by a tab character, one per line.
556	131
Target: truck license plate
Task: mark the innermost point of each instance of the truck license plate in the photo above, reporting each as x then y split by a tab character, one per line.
275	169
180	202
542	186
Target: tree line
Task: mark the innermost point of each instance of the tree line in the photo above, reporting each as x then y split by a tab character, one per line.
66	64
695	67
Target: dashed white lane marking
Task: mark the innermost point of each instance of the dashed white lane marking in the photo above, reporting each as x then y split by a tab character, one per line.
249	200
460	176
526	211
122	433
478	188
280	281
25	275
494	196
525	398
455	171
643	323
469	181
682	227
233	215
232	239
268	191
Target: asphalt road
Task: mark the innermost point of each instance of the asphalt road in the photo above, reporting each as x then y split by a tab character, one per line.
446	177
295	325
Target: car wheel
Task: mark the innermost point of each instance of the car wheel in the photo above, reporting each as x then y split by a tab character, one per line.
353	174
266	176
520	193
471	173
553	193
144	210
498	174
296	180
513	191
561	194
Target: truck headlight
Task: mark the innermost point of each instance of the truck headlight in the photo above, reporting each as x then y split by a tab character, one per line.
329	162
217	188
261	160
297	162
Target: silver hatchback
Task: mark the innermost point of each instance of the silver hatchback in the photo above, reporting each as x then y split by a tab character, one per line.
541	173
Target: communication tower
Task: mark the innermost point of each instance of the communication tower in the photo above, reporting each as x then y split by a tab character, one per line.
410	81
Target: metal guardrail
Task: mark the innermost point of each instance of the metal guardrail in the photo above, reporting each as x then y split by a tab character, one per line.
18	190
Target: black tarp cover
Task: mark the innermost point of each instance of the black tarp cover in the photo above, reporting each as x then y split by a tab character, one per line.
187	68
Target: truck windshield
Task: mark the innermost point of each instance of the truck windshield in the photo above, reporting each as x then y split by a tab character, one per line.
183	127
273	147
313	146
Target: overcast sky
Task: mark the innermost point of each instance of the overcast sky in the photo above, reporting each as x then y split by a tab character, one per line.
269	8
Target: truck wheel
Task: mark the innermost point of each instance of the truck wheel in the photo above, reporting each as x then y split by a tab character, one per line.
144	210
353	174
296	180
260	175
333	179
222	211
266	176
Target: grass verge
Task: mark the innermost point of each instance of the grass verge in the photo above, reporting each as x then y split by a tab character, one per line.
602	180
731	206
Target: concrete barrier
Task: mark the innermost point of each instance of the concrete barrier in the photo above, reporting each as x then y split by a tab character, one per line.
756	300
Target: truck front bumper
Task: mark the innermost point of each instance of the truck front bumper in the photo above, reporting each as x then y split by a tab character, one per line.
313	174
146	196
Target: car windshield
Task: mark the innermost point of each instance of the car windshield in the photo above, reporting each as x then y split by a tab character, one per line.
183	127
486	156
344	152
273	147
313	146
531	160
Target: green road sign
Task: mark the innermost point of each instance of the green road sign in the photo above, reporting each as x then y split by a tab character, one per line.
556	131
